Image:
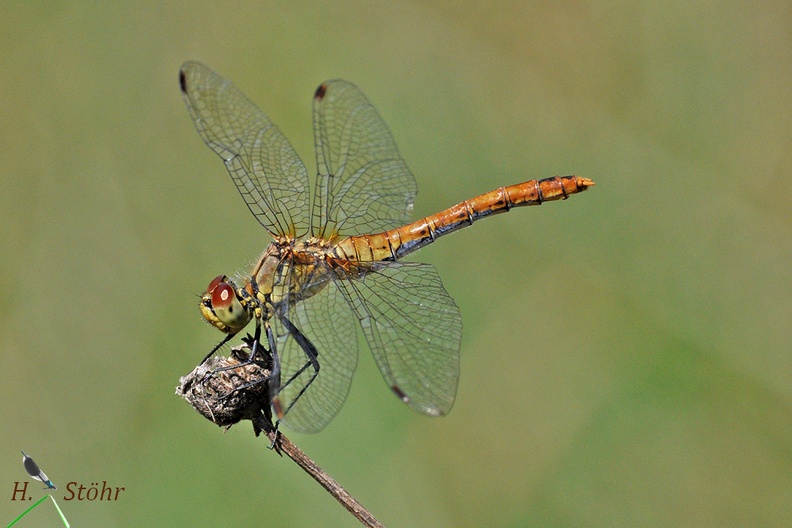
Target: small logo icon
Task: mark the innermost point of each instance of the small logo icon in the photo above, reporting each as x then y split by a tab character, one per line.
33	470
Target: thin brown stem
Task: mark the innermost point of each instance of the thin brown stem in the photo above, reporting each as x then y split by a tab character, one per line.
284	445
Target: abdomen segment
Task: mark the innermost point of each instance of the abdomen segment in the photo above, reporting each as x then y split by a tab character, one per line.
396	243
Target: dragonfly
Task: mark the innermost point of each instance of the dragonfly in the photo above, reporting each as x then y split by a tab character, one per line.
335	260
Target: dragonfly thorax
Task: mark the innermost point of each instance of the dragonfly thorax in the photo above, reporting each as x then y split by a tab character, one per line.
289	271
225	307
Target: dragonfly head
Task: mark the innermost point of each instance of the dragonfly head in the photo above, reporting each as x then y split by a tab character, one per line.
222	306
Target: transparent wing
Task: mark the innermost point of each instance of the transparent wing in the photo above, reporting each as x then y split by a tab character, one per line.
328	323
266	170
413	328
363	185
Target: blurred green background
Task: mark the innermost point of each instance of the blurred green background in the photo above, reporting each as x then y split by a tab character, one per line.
626	358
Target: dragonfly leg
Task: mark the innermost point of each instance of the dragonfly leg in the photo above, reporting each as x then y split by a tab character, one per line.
275	373
313	361
276	439
253	350
274	369
216	348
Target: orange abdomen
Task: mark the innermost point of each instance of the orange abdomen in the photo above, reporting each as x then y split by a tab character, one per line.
396	243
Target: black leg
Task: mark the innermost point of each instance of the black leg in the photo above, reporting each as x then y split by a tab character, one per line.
273	378
216	348
253	350
313	361
275	373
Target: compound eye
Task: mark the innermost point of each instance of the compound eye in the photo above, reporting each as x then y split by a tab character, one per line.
221	306
216	282
222	296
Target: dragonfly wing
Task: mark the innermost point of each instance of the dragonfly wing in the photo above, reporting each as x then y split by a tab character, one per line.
328	323
413	329
266	170
364	185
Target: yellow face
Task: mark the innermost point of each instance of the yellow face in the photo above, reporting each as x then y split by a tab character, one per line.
220	306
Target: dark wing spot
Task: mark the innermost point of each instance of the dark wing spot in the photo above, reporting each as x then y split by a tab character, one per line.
400	393
182	81
320	92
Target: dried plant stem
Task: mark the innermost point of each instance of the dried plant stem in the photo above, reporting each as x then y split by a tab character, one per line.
284	445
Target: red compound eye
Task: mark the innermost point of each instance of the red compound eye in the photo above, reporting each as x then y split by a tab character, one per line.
215	282
222	296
